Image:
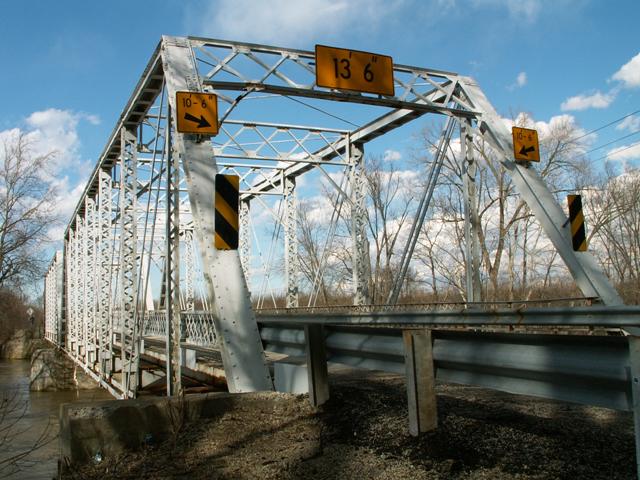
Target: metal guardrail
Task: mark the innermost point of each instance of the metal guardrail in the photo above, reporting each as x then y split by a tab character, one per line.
592	370
472	346
588	369
463	315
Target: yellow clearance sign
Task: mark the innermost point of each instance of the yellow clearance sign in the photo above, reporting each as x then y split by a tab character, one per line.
525	144
354	70
197	113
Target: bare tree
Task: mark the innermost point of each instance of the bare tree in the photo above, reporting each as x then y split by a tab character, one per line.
508	234
26	209
388	207
614	209
310	237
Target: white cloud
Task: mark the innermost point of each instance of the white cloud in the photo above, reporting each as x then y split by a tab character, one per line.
629	73
392	155
625	153
521	81
92	119
631	123
284	22
556	122
583	102
56	131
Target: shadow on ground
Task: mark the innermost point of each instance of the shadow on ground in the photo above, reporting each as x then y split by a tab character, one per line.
361	433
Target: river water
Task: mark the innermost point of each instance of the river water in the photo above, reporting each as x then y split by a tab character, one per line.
31	416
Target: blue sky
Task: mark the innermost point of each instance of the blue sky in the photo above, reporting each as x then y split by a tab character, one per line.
68	67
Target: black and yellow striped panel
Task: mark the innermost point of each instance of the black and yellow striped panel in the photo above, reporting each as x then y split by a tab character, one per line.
226	204
578	234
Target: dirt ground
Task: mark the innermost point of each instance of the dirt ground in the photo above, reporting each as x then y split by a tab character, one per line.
362	433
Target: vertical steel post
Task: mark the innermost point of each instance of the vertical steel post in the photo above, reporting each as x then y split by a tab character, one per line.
49	297
105	334
81	275
172	268
59	279
241	346
69	260
189	271
291	263
90	265
244	241
471	222
360	243
128	282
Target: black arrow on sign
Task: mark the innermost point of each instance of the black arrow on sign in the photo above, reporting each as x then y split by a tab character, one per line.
202	122
524	151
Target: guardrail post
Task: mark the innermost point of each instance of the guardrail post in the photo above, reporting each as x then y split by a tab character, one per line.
420	378
634	360
316	365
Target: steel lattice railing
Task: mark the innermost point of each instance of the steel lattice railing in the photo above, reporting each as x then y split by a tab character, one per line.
199	327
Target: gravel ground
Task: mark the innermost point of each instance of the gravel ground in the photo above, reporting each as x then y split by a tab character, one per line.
362	433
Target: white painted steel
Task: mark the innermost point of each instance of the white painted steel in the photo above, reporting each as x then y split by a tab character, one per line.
359	242
128	281
243	357
291	262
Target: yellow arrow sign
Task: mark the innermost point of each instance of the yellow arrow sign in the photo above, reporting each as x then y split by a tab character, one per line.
525	144
197	113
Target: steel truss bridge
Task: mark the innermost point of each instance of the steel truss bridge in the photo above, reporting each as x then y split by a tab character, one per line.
139	258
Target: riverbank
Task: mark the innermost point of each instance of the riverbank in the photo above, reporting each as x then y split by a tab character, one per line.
36	417
20	345
361	433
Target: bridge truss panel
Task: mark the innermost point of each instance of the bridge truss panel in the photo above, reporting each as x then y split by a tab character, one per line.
91	240
128	281
53	295
104	268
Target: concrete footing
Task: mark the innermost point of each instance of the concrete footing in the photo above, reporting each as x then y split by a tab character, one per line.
95	431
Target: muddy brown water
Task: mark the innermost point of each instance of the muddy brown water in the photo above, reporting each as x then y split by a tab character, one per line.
35	414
